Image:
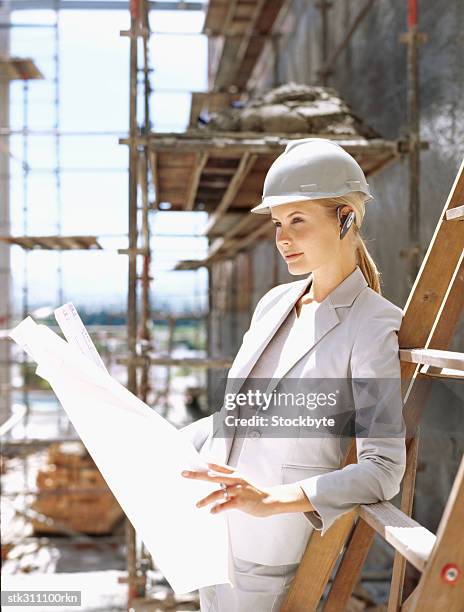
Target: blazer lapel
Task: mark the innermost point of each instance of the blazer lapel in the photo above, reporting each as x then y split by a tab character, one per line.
326	318
262	335
249	355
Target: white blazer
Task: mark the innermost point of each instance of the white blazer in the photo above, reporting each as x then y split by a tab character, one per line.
353	335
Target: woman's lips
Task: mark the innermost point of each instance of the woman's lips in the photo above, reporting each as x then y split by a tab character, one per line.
292	257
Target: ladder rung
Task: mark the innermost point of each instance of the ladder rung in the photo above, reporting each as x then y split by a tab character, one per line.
409	538
447	373
455	214
434	357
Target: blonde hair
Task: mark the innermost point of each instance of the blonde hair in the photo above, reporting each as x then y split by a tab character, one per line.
355	200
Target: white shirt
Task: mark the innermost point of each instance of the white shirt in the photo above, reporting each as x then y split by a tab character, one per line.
276	352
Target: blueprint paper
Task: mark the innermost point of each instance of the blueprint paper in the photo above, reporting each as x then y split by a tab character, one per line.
140	455
75	333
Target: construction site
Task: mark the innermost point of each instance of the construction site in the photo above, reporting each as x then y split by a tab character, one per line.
135	138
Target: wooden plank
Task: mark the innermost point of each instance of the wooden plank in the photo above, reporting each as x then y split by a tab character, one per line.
407	536
214	17
246	29
24	241
446	373
249	30
455	214
318	565
238	228
214	171
43	242
217	183
225	247
407	499
210	193
228	27
434	278
358	144
349	570
175	159
244	167
153	159
18	68
235	245
256	44
410	601
442	581
52	242
434	357
189	264
200	163
73	243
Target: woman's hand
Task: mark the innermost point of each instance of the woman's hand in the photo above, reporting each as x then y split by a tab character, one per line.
235	492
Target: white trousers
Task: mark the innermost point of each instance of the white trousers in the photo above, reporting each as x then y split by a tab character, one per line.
260	588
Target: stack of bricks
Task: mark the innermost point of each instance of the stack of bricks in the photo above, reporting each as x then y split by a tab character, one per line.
72	492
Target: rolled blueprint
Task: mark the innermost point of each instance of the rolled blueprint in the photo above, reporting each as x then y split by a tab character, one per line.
140	455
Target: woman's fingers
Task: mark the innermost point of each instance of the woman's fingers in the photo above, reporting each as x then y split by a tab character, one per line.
211	477
217	496
228	505
222	467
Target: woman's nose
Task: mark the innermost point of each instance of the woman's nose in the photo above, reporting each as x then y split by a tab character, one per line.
283	237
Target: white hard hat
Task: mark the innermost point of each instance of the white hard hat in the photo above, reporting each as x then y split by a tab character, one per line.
310	169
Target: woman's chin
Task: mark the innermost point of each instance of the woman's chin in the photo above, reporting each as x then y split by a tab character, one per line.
297	270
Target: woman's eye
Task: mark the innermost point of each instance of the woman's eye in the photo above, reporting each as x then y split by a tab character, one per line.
295	219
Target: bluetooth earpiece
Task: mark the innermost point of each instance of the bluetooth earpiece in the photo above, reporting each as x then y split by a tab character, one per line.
347	223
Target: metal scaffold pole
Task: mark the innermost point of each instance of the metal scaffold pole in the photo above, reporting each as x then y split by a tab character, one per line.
145	278
25	220
138	179
59	211
132	272
413	38
324	6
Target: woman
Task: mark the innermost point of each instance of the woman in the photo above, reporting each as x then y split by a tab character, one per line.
331	327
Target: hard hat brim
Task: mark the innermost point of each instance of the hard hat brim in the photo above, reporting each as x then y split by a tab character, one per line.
265	206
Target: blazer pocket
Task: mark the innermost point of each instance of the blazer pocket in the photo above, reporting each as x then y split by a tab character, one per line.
293	472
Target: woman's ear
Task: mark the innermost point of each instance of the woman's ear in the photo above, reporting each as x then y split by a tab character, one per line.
342	213
345	211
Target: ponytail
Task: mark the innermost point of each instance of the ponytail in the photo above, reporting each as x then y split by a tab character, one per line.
355	200
367	264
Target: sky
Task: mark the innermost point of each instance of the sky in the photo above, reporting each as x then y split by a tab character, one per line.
93	185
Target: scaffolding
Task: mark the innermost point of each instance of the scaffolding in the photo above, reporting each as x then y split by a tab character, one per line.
139	318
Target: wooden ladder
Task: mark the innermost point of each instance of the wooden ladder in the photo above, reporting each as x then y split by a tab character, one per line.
430	318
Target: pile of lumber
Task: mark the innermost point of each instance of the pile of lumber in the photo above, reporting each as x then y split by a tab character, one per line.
292	108
72	492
